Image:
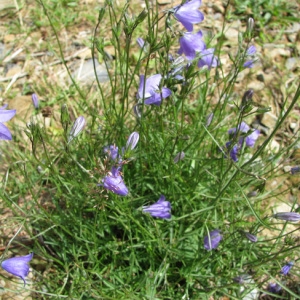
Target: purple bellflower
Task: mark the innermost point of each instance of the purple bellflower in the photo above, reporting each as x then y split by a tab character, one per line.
191	44
208	59
150	91
5	115
295	170
160	209
114	182
111	151
18	266
35	100
76	128
233	152
249	140
188	14
286	268
251	51
288	216
274	288
212	240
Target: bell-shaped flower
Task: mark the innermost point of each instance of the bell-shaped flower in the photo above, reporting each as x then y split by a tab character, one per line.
286	268
208	59
212	240
150	92
274	288
114	182
233	152
249	140
111	151
18	266
76	128
5	115
191	44
188	14
160	209
295	170
251	51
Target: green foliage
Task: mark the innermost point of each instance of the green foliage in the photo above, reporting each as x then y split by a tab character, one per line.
101	245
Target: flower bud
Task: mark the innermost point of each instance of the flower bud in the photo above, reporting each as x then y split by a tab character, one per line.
35	100
76	128
132	141
250	25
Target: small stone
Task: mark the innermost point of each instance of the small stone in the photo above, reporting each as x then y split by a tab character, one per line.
294	126
231	34
292	63
287	169
269	120
218	7
9	38
273	146
15	69
260	77
256	85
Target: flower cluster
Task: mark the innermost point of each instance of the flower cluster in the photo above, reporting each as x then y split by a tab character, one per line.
113	181
244	135
191	45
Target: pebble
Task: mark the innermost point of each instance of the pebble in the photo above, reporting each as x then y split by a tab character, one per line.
231	34
269	120
292	63
256	85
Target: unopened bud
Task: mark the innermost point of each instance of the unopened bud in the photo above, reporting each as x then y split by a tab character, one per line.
76	128
250	25
180	156
35	100
132	141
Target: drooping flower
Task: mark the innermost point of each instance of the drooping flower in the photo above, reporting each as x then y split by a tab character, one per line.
114	182
188	14
249	140
212	240
251	51
274	288
150	92
295	170
160	209
180	156
5	115
251	237
208	59
191	44
35	100
18	266
112	151
132	141
286	268
234	151
288	216
76	128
